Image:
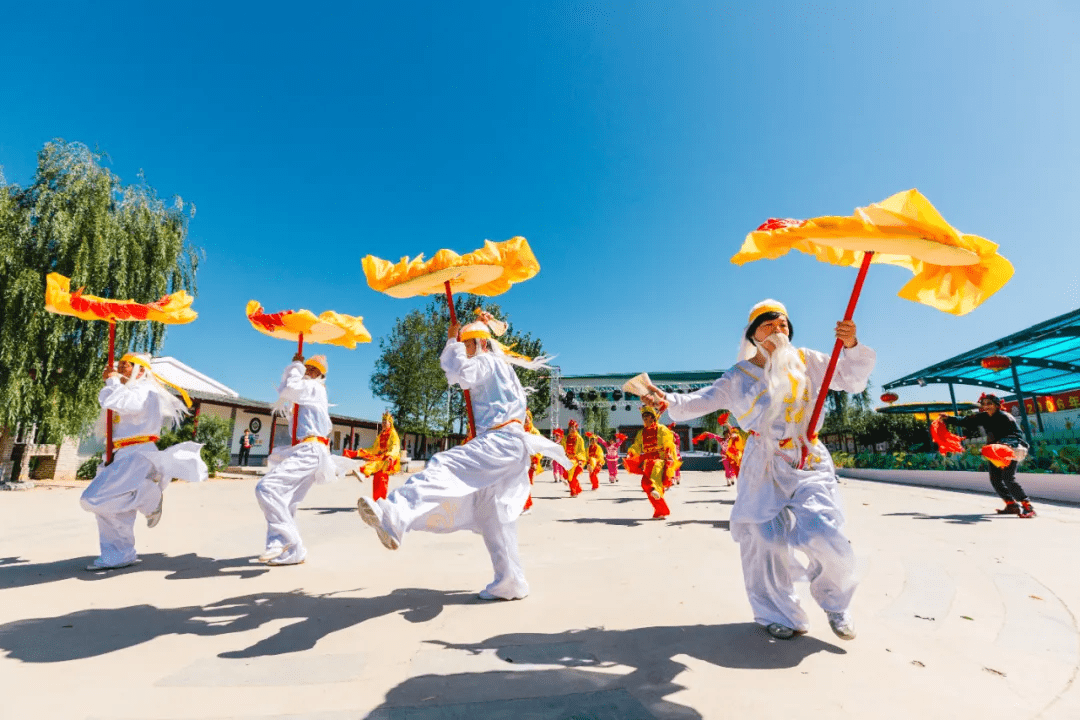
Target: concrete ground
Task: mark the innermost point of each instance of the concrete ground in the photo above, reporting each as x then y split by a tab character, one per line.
960	614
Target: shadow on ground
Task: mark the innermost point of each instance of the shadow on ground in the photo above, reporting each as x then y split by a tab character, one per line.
952	519
578	671
623	522
179	567
329	510
718	524
90	633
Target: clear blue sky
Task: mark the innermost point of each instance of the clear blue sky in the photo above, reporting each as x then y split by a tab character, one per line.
634	145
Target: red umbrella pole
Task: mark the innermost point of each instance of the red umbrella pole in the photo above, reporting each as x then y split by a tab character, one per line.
468	398
296	407
108	414
824	391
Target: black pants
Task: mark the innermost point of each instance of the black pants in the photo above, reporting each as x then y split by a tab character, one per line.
245	455
1005	485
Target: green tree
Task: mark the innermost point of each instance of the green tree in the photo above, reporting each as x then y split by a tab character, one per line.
119	241
215	434
408	375
595	420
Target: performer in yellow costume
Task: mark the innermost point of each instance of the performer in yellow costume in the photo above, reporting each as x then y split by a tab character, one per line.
595	461
653	457
383	458
574	447
535	468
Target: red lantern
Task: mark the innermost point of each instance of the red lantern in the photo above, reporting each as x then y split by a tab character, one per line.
890	397
996	362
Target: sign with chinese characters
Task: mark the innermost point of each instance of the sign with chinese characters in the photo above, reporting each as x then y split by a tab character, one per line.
1048	403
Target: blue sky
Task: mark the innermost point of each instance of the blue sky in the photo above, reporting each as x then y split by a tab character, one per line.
634	145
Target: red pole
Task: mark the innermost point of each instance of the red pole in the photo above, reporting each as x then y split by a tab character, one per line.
468	398
296	407
108	414
195	424
811	433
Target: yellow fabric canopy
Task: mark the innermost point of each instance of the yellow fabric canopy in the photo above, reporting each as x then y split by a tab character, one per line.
954	272
172	309
329	328
491	270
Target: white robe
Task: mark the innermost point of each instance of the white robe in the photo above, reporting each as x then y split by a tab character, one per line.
138	474
481	485
293	469
780	507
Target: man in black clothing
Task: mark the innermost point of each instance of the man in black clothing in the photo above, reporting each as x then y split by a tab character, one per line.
1000	427
245	448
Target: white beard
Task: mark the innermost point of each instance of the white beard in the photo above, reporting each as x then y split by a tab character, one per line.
788	387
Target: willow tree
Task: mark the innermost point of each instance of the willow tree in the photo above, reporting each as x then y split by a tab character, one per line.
118	241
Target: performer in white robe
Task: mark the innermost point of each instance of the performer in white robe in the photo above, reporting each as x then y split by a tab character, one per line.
295	468
481	485
780	507
139	473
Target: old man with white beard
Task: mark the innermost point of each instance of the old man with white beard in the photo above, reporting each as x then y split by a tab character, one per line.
782	507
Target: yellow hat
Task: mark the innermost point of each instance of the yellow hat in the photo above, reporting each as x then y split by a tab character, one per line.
318	362
656	412
143	361
475	330
387	418
766	306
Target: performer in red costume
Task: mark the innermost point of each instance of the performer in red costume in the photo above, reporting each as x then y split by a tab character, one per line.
677	477
574	447
383	458
534	461
556	469
595	459
653	457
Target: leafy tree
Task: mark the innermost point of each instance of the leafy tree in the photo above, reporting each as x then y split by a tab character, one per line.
408	375
119	241
215	434
595	420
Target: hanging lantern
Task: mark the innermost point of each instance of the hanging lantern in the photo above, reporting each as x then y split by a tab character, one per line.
890	397
996	362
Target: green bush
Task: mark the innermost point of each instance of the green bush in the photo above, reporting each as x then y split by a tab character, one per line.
214	433
89	468
1042	459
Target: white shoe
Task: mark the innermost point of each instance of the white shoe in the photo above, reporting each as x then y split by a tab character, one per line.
155	517
270	554
372	515
278	562
841	625
486	596
98	566
527	512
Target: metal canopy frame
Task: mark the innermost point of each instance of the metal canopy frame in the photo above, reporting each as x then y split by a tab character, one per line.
1045	359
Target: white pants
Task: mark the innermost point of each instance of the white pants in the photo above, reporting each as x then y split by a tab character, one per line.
279	493
479	486
118	492
812	524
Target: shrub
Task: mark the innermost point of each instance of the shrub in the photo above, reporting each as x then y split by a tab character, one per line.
214	433
89	468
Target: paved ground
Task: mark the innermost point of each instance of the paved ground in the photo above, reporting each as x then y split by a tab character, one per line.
960	614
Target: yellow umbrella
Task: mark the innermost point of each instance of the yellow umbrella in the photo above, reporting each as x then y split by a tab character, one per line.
953	271
489	271
330	328
174	309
